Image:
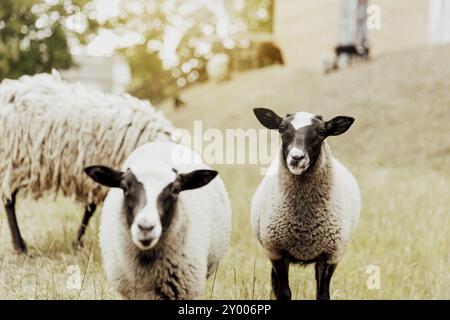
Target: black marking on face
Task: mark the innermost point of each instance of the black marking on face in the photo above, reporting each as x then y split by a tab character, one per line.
133	190
134	196
166	203
168	197
308	138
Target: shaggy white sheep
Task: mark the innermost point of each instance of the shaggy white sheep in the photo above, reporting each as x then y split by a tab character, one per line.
304	211
51	130
165	224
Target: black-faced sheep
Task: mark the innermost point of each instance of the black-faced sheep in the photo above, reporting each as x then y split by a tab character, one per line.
307	205
165	224
50	130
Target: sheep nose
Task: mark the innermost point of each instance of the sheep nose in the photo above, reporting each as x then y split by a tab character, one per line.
145	228
298	157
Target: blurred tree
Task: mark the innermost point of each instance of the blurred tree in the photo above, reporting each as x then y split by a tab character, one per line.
150	79
179	36
257	15
34	34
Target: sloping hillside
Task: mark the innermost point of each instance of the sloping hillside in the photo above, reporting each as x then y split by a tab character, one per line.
398	149
307	29
401	103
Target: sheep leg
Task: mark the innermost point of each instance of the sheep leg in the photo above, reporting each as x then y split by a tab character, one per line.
324	272
88	213
18	242
280	279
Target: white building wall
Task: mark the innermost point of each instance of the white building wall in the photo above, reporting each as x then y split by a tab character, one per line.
110	74
439	22
308	29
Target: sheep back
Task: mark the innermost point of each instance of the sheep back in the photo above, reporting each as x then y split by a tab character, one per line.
51	130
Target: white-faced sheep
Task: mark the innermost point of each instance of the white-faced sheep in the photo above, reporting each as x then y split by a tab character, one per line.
50	130
165	224
307	205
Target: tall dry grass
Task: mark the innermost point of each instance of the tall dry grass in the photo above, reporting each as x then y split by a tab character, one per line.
398	148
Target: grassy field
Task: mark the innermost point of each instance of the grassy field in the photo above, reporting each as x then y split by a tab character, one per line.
398	148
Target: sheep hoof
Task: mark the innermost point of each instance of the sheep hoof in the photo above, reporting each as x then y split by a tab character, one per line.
21	249
77	244
21	252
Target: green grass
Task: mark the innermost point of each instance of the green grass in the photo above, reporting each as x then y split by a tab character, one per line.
398	149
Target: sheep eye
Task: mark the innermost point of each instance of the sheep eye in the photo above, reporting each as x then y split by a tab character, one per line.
321	131
282	129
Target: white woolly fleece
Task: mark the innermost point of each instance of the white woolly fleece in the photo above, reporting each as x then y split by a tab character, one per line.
206	213
344	205
51	130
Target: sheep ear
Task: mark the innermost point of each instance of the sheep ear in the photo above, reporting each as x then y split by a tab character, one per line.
338	125
268	118
105	176
193	180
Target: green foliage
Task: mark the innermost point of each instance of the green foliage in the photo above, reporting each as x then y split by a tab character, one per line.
150	80
34	35
150	18
401	162
257	15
